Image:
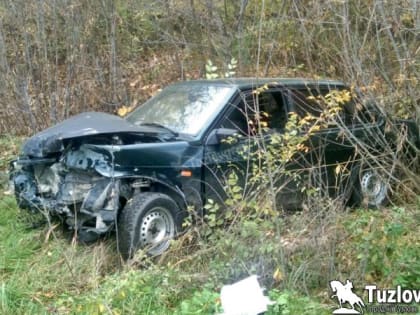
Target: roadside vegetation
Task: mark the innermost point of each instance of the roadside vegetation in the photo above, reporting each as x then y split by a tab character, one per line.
110	55
295	254
43	271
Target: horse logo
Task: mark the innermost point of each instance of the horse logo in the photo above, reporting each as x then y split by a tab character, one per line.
344	294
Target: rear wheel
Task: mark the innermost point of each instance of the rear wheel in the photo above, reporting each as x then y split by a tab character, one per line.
372	189
148	221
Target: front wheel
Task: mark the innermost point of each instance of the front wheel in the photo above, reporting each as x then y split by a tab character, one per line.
148	221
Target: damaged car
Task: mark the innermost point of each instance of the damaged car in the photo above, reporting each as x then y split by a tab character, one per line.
140	175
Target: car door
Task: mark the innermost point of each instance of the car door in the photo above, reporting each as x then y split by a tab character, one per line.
253	119
226	151
330	152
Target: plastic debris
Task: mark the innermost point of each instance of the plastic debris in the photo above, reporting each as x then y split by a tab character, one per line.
244	297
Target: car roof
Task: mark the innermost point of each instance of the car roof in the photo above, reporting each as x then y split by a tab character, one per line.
252	82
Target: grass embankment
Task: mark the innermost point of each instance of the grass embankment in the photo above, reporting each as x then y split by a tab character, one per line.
43	272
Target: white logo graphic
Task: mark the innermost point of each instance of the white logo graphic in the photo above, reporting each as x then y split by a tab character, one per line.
344	294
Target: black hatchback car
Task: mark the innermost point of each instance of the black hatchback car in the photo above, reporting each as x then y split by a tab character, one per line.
139	174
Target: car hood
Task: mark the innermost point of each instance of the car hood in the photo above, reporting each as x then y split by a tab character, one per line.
86	124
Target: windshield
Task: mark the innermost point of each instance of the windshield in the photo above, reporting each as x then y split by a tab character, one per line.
183	108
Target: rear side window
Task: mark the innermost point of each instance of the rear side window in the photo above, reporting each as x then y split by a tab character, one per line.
312	101
305	102
364	111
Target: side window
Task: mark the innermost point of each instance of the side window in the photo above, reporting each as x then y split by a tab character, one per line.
311	101
236	118
267	110
305	102
354	112
364	111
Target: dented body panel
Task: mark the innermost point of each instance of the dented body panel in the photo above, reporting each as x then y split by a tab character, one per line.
82	125
73	169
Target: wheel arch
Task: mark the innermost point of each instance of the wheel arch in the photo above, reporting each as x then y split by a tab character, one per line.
174	192
155	184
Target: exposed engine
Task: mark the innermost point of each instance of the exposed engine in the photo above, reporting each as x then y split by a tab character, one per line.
70	185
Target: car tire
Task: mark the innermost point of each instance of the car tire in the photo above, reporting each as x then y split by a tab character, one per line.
371	189
148	221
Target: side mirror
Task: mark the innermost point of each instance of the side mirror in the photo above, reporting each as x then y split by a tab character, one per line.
220	134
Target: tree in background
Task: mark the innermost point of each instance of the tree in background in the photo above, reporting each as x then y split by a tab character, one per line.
61	57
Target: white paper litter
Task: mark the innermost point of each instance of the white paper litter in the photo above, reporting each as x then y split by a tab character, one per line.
244	298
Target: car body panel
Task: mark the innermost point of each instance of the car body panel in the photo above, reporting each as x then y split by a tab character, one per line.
86	124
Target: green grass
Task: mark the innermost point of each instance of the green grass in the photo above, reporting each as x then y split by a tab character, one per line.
42	271
39	265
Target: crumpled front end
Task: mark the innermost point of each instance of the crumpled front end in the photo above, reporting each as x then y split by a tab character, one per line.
86	168
69	186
